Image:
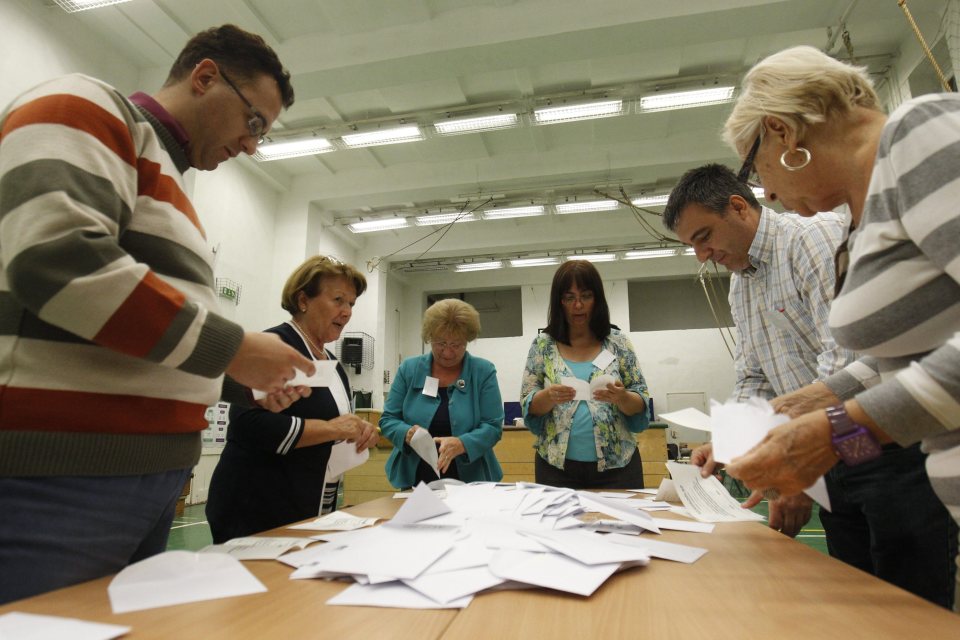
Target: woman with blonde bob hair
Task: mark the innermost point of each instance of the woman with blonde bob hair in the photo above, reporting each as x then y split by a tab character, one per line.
273	469
811	128
454	393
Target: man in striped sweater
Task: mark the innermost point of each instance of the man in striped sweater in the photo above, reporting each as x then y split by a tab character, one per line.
110	347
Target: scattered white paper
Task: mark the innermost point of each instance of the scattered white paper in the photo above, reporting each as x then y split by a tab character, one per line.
659	549
615	509
614	494
177	577
392	594
649	492
325	376
422	443
684	525
336	521
343	457
705	498
449	586
588	548
690	418
551	570
421	505
30	626
257	547
667	491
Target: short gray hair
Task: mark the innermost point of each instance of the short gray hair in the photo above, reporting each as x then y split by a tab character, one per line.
802	86
450	316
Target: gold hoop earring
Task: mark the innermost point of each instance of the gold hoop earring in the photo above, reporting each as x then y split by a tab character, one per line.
806	159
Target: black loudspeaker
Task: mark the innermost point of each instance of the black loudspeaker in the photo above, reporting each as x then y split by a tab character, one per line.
352	352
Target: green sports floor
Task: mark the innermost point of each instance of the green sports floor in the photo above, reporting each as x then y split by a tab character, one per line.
190	531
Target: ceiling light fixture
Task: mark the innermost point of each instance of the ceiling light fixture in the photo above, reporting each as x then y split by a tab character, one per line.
281	149
594	257
584	111
689	251
642	254
477	124
383	224
651	201
479	266
445	218
584	207
514	212
72	6
686	99
409	133
534	262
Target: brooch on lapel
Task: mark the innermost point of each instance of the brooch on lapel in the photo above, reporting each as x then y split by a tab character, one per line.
461	384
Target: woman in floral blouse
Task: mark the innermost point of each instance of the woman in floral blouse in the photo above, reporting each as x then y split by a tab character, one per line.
591	443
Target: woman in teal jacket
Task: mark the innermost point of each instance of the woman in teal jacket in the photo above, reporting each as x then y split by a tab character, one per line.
453	395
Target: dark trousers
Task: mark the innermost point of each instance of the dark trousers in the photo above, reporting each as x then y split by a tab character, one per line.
584	475
58	531
886	520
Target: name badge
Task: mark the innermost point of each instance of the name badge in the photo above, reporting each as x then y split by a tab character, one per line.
603	360
431	386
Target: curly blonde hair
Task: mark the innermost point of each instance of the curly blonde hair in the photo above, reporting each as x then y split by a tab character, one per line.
801	86
309	276
450	317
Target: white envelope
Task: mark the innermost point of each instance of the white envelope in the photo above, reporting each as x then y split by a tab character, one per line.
343	457
31	626
325	376
422	442
177	577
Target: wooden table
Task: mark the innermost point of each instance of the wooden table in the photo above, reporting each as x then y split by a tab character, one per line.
754	583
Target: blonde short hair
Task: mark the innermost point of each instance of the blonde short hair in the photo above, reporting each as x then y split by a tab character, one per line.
450	317
308	278
802	86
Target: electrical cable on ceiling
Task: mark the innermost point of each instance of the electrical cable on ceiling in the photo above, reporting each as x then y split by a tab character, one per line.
635	210
710	290
923	45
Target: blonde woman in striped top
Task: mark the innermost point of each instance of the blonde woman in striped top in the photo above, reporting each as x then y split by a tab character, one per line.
811	128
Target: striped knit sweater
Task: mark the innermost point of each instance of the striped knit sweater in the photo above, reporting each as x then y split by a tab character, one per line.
901	300
109	351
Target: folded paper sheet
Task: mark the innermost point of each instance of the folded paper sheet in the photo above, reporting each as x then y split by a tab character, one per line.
30	626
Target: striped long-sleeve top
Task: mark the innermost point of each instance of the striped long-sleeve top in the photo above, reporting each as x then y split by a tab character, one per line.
109	351
900	302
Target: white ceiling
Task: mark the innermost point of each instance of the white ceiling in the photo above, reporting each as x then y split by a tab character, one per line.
357	60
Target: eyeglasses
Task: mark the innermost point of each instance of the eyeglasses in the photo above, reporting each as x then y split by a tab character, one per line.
748	173
585	297
443	346
257	124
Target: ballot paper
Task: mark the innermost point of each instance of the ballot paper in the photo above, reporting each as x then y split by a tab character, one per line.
448	586
584	390
31	626
551	570
739	426
667	491
336	521
421	505
325	376
659	549
391	594
257	547
422	442
343	457
705	498
615	509
690	418
178	577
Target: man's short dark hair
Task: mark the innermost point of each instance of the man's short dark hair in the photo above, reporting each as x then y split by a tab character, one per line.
709	186
587	278
242	54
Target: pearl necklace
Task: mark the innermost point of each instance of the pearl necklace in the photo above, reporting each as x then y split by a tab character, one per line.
313	347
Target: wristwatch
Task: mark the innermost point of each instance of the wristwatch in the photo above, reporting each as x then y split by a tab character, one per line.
853	442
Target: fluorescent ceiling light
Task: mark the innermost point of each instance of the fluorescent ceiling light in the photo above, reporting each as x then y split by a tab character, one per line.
686	99
383	224
651	201
585	111
689	251
514	212
445	218
534	262
419	268
479	266
649	253
72	6
583	207
410	133
292	148
473	125
594	257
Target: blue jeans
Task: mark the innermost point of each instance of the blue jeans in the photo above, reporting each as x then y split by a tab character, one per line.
887	521
61	530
